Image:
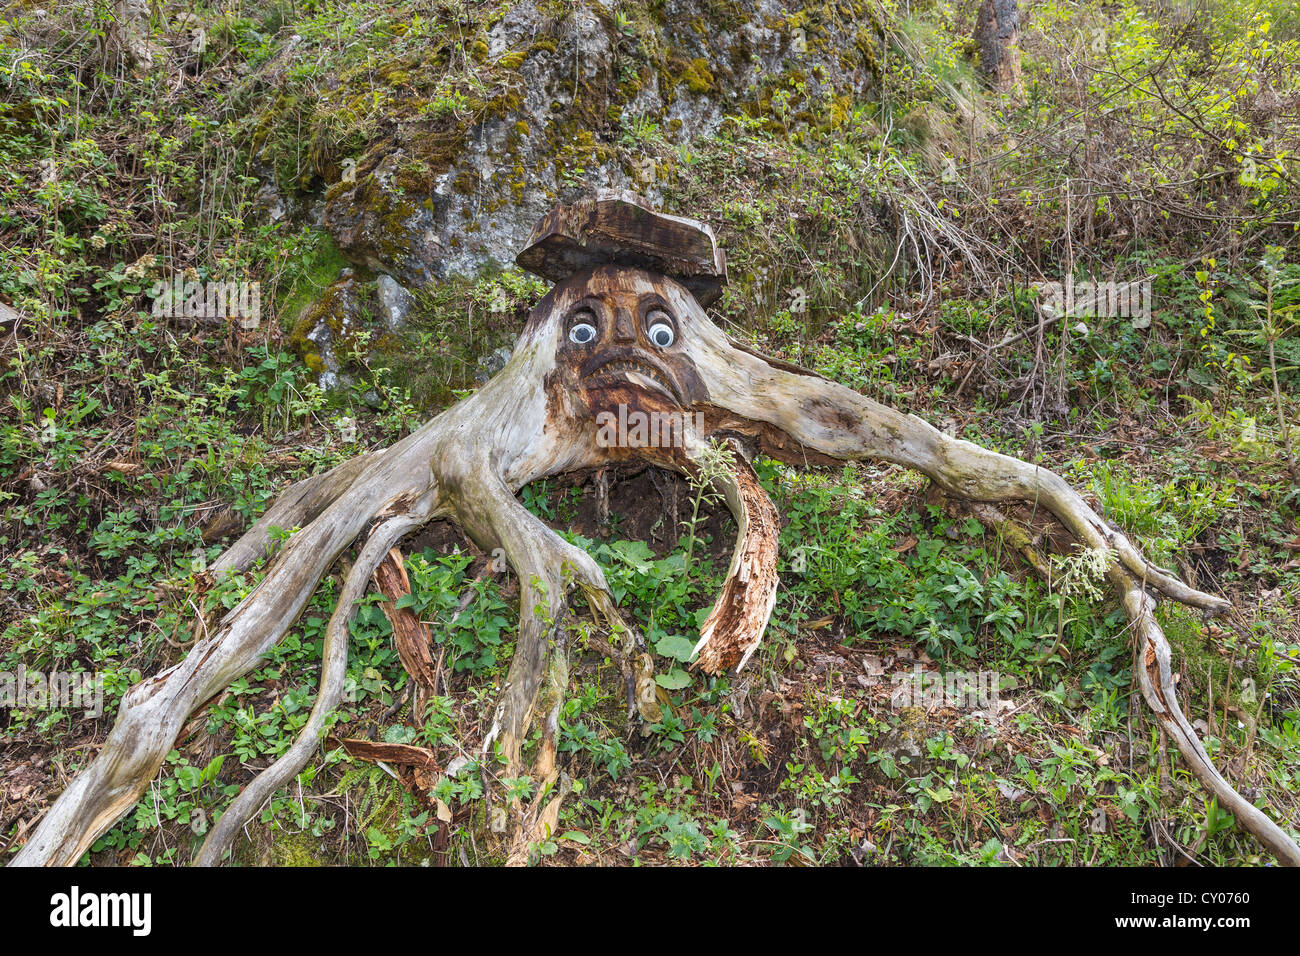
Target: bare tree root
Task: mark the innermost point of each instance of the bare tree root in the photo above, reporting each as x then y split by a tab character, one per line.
333	671
643	694
801	416
835	422
153	711
546	566
1152	666
298	505
538	821
1156	680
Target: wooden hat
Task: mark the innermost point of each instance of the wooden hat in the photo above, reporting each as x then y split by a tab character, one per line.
620	228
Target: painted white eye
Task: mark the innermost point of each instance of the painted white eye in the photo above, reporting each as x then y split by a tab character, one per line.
582	333
662	334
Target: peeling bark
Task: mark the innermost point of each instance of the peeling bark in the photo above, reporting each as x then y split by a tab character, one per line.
733	629
406	755
410	636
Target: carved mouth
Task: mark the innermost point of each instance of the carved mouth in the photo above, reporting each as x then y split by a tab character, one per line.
639	370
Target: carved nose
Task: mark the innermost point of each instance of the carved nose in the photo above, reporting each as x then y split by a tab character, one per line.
624	328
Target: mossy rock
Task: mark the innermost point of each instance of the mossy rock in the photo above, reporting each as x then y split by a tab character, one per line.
463	132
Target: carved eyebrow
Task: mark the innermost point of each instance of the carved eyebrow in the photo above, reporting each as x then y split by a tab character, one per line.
655	303
586	305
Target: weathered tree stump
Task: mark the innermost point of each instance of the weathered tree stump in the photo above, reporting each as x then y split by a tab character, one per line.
620	333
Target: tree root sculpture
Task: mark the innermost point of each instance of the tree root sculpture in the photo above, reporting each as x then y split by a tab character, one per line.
622	337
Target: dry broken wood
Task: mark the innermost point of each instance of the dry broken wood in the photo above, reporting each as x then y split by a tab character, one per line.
607	340
406	755
410	636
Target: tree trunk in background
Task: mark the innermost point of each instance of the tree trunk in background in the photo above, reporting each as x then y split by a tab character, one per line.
131	33
996	35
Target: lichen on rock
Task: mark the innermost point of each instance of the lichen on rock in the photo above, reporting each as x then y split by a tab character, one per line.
332	329
436	154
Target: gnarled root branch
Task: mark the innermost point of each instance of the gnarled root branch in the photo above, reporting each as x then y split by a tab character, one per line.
1156	680
333	671
799	416
336	506
548	568
1152	666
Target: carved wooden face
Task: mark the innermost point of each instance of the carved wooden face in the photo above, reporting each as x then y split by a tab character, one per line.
622	337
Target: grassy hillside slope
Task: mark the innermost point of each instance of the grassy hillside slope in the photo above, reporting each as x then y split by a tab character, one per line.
887	233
